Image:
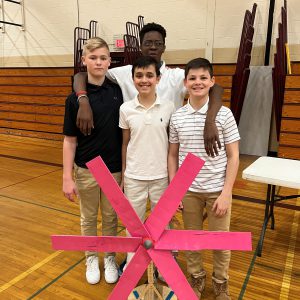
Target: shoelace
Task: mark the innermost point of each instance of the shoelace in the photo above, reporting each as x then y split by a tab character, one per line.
197	281
92	263
110	264
221	288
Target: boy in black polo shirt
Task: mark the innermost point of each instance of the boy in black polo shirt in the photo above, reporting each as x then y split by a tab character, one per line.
105	140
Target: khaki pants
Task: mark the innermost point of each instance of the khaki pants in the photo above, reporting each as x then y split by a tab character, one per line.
193	207
91	196
138	192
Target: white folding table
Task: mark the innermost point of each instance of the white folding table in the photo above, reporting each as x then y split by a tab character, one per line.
274	172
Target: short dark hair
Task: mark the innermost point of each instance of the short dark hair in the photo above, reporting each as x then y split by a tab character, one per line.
198	63
153	27
144	62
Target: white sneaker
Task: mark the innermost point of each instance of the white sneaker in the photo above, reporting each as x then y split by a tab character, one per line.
111	273
92	269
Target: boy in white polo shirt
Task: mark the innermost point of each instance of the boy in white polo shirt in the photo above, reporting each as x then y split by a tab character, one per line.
212	188
144	122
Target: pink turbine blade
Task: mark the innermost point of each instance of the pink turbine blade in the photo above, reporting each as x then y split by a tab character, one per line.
95	243
199	239
131	275
172	273
169	201
117	199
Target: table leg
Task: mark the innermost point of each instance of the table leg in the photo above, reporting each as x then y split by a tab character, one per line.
266	219
272	207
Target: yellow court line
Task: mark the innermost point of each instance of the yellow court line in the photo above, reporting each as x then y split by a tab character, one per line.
29	271
287	276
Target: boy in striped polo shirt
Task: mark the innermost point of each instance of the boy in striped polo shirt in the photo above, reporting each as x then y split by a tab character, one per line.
212	188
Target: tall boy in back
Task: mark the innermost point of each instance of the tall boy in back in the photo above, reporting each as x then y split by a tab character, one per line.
144	121
212	188
106	141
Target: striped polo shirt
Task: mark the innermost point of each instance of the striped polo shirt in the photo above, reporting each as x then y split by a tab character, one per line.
186	128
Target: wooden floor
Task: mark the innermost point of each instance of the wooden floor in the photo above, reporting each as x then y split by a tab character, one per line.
33	208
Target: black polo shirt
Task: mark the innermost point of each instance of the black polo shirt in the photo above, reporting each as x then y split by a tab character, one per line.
106	137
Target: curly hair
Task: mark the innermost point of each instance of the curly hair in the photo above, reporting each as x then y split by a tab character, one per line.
153	27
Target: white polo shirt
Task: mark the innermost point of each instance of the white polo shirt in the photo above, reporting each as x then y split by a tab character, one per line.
186	128
170	86
147	151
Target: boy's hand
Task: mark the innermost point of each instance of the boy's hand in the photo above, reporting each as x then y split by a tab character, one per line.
84	119
211	139
70	190
221	205
122	185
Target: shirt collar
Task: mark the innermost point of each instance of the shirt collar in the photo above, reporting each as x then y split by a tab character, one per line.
138	104
162	67
202	110
93	88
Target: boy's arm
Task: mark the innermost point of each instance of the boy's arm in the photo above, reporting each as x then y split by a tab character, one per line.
211	136
172	160
126	139
173	164
223	202
69	148
84	119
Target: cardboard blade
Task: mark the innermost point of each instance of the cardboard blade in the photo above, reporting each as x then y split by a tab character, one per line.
131	275
116	197
172	273
169	201
95	243
200	239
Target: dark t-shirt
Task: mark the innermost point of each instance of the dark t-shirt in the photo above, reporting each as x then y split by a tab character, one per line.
106	137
